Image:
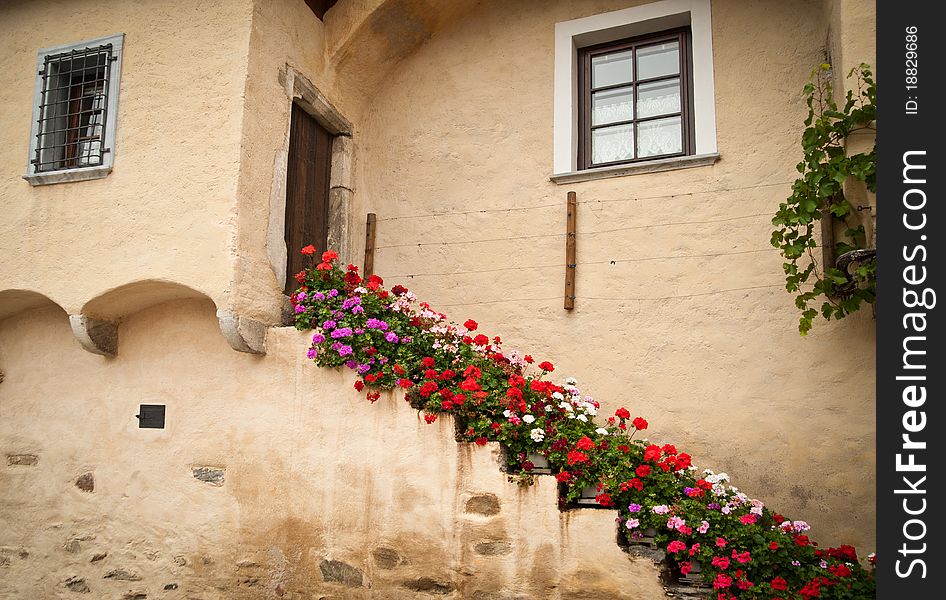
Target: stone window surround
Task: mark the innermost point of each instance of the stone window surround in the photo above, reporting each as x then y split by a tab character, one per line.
108	158
616	25
301	91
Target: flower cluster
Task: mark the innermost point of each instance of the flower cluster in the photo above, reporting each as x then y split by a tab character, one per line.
740	547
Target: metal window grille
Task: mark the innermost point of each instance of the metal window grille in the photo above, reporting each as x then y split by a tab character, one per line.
73	109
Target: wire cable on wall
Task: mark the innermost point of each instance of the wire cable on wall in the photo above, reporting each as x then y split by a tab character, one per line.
559	204
590	262
618	298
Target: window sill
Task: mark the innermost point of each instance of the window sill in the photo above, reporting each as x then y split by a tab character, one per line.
68	175
652	166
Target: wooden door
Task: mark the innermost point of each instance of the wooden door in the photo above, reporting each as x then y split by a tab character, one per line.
307	187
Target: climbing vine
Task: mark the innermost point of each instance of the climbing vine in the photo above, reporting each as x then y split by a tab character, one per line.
818	194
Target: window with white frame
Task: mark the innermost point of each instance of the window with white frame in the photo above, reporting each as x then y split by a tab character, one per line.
74	108
634	91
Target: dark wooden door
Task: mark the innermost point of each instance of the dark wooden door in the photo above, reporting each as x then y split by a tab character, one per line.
307	187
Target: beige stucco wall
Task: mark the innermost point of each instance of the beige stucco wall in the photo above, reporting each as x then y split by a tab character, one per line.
312	474
465	124
167	210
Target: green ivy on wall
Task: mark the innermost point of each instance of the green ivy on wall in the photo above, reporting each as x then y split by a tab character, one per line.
819	194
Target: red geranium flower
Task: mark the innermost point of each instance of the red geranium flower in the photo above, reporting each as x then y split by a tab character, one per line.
622	413
528	358
840	570
470	325
652	452
604	499
563	476
642	470
812	589
779	584
300	276
481	441
310	249
676	546
585	443
329	255
843	552
323	266
720	562
399	290
481	340
430	418
773	545
722	581
575	457
373	396
546	366
428	361
359	385
639	423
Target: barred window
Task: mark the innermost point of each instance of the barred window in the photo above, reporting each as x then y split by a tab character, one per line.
73	133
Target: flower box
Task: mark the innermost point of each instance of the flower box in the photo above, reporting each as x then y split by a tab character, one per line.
540	464
694	578
589	496
646	538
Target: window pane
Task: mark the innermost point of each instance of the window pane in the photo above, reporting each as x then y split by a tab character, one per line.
658	98
612	105
612	143
662	136
658	60
611	69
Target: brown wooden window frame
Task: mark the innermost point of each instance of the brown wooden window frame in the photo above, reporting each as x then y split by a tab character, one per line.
585	91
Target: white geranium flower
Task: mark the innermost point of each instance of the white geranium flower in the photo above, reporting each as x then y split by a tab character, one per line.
557	396
537	434
601	430
571	381
507	413
582	418
528	418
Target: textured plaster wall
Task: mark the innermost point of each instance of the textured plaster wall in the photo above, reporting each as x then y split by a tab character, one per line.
167	210
273	479
464	125
344	60
284	32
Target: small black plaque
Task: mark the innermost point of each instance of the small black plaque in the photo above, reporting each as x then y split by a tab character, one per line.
151	416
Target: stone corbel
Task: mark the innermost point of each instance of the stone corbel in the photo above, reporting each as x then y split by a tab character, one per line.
96	336
243	334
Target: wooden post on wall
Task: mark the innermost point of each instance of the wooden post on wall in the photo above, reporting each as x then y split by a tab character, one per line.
829	260
369	244
570	250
